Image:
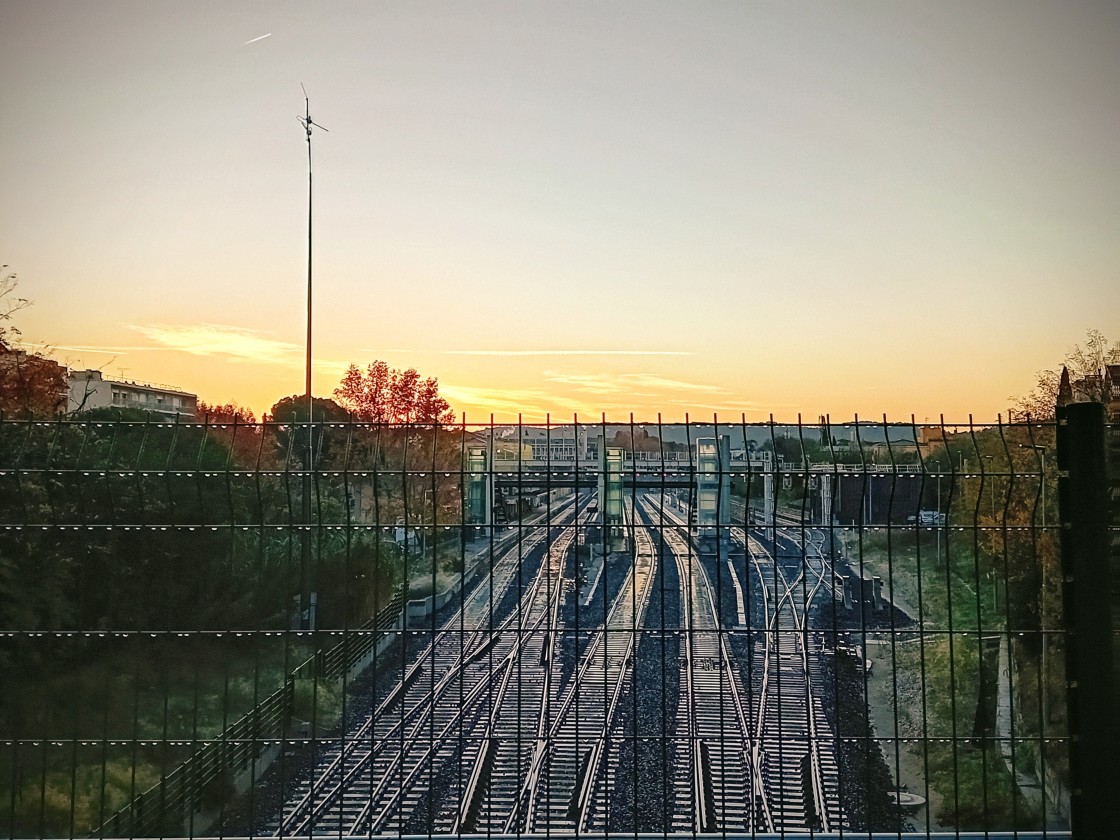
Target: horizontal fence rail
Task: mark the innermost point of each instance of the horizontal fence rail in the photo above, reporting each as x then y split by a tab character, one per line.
743	629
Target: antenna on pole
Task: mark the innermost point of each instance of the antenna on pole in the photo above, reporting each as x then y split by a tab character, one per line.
307	124
306	608
306	120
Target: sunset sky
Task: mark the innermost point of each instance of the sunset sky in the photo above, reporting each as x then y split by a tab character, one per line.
582	207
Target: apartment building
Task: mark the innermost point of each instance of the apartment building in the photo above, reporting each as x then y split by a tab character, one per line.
90	389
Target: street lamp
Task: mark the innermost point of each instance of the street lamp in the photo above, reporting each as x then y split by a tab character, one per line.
1041	450
939	520
991	467
992	493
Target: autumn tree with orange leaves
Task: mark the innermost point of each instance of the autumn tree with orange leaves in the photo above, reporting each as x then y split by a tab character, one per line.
381	394
404	433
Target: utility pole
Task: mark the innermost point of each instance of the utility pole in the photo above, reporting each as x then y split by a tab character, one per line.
306	618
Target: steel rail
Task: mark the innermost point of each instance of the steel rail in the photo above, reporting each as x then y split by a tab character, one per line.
529	797
322	793
774	625
550	618
399	787
465	704
639	603
531	605
709	616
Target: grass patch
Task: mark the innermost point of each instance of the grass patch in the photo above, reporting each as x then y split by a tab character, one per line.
912	565
942	702
977	791
88	739
319	703
72	800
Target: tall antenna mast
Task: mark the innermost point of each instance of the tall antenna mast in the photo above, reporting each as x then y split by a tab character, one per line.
307	618
307	123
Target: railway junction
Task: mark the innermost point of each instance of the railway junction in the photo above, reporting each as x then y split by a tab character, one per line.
547	699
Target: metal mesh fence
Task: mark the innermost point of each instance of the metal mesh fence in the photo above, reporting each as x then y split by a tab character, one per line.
643	627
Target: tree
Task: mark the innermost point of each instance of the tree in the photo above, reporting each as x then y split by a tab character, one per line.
225	413
31	385
406	442
1084	362
292	411
9	304
119	466
237	427
382	394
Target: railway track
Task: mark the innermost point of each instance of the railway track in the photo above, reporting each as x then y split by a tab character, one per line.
715	785
489	732
498	673
374	775
793	750
603	767
566	786
504	740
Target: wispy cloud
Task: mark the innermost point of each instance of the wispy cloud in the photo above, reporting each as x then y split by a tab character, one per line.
236	343
534	404
732	407
258	38
508	401
662	383
627	383
587	395
107	349
550	352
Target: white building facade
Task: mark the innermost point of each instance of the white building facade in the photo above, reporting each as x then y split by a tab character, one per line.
89	389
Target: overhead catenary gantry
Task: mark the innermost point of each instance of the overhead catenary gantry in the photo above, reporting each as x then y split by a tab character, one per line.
703	481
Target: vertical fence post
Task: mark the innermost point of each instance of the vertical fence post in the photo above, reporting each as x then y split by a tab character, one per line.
1087	592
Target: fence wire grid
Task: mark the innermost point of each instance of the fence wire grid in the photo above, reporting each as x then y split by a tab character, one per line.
744	629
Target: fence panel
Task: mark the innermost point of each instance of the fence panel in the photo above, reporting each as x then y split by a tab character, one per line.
673	628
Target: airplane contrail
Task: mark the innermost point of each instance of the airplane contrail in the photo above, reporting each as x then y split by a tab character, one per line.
254	40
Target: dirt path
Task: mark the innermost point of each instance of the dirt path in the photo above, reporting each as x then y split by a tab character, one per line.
905	760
